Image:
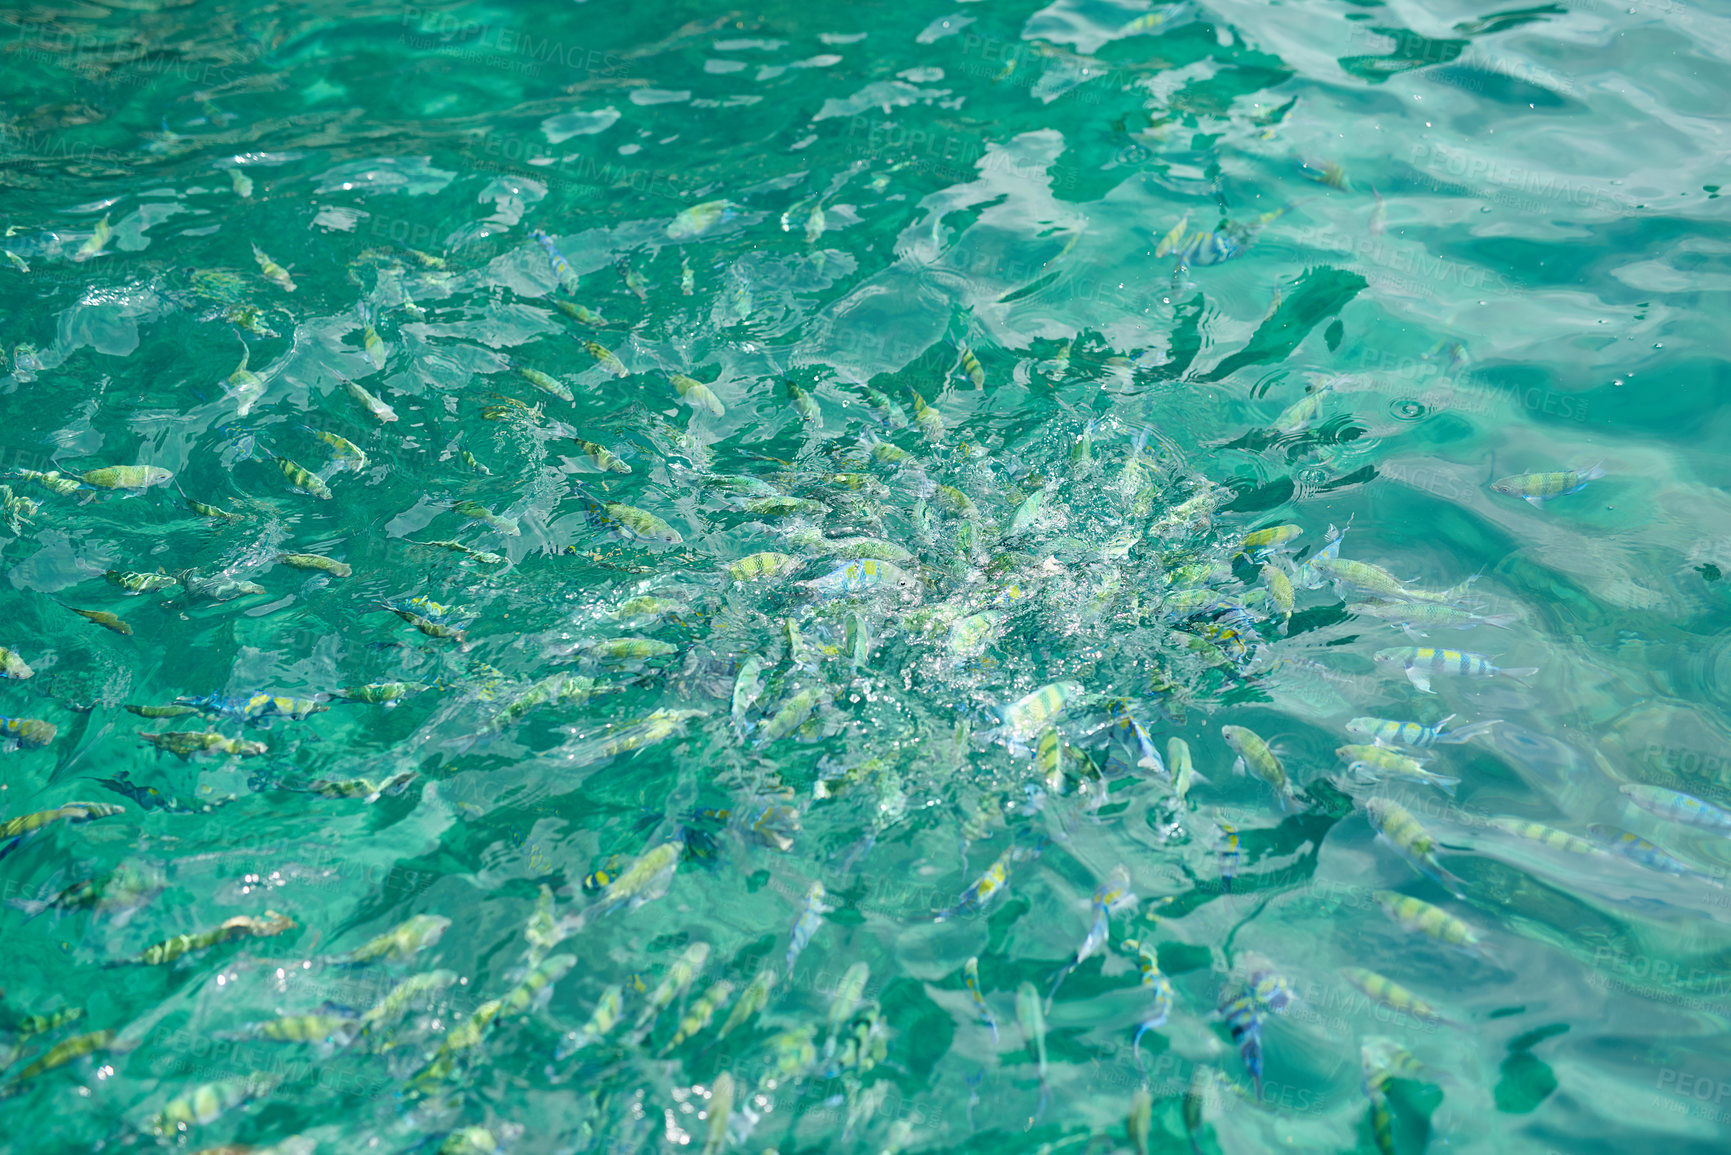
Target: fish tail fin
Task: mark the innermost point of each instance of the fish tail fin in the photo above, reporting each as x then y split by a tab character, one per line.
1593	472
1058	981
1468	732
1446	785
30	907
1501	621
1519	671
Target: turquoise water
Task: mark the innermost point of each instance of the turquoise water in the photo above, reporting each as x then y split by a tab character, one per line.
1038	311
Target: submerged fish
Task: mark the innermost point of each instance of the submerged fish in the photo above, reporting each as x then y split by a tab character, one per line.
1539	488
1420	663
1254	754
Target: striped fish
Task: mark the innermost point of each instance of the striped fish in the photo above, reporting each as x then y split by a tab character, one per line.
1421	662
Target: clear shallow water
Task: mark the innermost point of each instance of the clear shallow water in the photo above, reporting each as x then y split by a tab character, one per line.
1518	265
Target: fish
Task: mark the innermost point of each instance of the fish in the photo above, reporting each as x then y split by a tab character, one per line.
543	382
566	688
701	1013
211	511
1159	990
254	706
861	576
1254	754
104	619
1373	763
809	920
632	523
1170	241
562	271
602	457
475	511
1110	895
242	183
1388	732
615	649
59	1055
698	395
1538	488
605	358
720	1111
971	980
580	313
645	880
747	688
402	941
1182	768
1626	845
984	889
1396	826
272	271
1545	835
382	693
1410	615
186	743
218	587
680	975
1027	717
699	218
793	713
27	733
94	244
250	318
1279	588
1675	806
1421	662
804	404
751	1001
316	561
316	1028
1373	579
1388	993
1033	1024
344	452
31	1025
14	831
373	405
475	1140
1227	851
767	564
128	477
53	481
928	420
375	347
536	988
245	386
970	365
1419	917
601	1022
268	925
303	479
633	280
687	279
18	262
1132	738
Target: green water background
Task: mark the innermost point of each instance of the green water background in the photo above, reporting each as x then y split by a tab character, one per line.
1548	292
